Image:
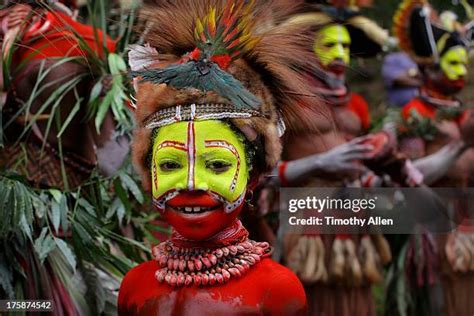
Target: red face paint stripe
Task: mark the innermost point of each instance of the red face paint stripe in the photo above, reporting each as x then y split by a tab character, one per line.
155	177
173	144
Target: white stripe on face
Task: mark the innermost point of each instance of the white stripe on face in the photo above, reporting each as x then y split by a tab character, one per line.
191	152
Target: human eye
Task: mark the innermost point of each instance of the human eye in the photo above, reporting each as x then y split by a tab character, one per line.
169	165
454	63
218	166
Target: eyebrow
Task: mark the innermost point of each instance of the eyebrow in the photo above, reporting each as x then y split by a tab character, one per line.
216	150
171	144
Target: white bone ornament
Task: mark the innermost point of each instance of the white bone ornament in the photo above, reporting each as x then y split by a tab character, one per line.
140	57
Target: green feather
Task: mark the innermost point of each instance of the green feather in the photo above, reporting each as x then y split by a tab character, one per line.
204	76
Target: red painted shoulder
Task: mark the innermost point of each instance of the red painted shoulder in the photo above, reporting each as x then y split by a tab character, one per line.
137	287
360	107
267	287
420	107
285	294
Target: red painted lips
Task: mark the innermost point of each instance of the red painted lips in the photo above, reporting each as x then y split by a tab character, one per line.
197	215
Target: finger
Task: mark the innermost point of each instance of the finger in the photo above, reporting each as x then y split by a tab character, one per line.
347	150
361	139
362	148
354	168
358	155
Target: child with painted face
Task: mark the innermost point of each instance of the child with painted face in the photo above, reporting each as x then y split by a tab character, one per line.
200	173
207	128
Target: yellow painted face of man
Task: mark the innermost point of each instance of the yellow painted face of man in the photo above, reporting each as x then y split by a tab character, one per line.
332	43
454	63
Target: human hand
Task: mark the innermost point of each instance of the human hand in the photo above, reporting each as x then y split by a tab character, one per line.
344	159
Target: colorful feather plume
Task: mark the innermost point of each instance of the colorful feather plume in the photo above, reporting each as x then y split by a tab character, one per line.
401	24
227	32
221	37
268	60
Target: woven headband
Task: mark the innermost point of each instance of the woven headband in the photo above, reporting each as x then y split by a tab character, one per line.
198	112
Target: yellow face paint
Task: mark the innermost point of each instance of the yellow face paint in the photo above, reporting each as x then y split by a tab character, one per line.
200	155
454	63
332	42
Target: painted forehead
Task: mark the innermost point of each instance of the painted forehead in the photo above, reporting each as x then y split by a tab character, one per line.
207	130
334	32
458	52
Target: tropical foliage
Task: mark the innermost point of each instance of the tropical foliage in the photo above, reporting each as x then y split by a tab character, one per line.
74	244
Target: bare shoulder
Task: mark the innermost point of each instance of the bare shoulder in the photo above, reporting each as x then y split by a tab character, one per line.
284	294
142	271
138	285
278	274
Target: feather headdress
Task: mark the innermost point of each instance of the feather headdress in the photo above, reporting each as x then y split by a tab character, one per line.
368	38
422	34
220	38
223	60
345	3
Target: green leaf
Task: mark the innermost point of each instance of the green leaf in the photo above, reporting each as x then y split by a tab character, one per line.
116	64
131	185
5	213
54	101
56	194
96	90
82	233
122	194
56	215
64	213
6	277
124	239
86	206
120	212
25	227
20	207
103	109
71	115
96	293
44	244
67	252
117	208
39	205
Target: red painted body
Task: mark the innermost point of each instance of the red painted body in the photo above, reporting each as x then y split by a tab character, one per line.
426	110
359	106
267	288
59	38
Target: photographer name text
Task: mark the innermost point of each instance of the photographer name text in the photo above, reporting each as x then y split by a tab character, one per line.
334	221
